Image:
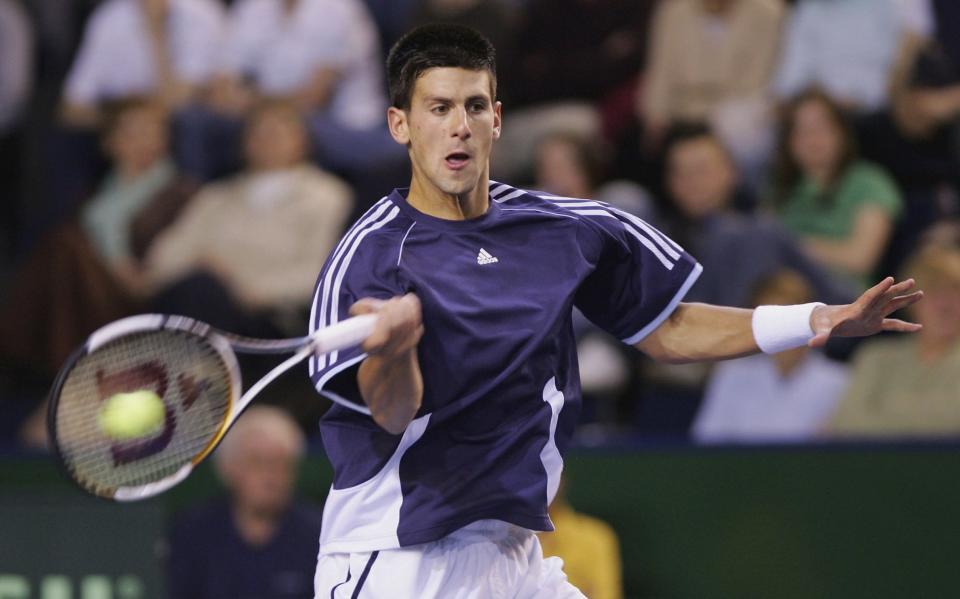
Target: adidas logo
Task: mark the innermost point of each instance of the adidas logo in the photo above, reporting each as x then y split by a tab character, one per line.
484	257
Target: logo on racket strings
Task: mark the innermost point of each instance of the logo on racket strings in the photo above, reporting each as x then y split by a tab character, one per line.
149	375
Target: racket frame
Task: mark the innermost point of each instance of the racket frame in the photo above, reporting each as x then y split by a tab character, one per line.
335	337
145	323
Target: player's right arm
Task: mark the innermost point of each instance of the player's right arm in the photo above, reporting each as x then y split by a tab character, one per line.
389	378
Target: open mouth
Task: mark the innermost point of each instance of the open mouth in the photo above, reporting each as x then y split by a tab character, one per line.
457	160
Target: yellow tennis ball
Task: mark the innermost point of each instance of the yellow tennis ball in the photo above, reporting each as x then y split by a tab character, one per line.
131	415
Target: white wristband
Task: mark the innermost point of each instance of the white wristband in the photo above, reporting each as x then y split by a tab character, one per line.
779	328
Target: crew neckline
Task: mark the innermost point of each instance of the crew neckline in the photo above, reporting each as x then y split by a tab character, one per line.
399	198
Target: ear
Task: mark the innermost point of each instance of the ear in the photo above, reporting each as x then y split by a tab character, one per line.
497	119
399	126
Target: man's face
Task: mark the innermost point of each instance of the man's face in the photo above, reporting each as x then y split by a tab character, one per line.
449	128
263	475
139	139
700	176
276	139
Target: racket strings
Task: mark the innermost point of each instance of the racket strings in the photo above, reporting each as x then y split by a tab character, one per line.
190	377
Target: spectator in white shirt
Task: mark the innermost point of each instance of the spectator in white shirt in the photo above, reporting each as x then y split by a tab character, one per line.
323	56
785	397
848	48
163	48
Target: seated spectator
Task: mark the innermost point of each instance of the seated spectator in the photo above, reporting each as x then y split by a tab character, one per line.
84	273
736	250
848	49
926	85
163	48
712	61
910	386
588	547
771	398
259	541
843	208
257	240
322	56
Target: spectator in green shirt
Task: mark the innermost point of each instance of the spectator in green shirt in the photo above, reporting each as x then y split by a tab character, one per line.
843	208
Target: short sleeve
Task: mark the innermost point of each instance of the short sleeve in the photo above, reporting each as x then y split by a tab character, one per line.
362	265
639	276
876	188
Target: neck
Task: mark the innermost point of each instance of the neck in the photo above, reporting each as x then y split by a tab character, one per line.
430	200
821	176
256	527
130	172
260	169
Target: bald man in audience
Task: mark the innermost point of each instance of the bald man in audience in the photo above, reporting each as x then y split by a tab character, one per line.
258	541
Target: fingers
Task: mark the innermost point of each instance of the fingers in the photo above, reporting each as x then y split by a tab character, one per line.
901	287
900	326
894	291
399	325
367	305
901	302
872	295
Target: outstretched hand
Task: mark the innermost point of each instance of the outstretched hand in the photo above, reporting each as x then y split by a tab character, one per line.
868	314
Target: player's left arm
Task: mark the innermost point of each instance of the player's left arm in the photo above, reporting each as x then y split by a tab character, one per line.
701	332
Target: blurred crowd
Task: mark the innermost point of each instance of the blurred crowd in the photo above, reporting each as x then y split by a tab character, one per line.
201	157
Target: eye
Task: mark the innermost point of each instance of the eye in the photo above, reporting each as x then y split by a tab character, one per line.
478	107
440	109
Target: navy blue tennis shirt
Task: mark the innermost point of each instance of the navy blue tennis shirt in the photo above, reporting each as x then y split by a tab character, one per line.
498	356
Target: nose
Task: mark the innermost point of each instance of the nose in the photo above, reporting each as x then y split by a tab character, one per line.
461	127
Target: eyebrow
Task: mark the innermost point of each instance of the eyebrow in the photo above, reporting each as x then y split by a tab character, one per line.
446	100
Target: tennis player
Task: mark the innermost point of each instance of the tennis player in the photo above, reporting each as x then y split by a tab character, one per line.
450	422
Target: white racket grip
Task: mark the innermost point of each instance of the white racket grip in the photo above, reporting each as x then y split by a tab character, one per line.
342	335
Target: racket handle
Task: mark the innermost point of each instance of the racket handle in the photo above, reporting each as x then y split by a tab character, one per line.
342	335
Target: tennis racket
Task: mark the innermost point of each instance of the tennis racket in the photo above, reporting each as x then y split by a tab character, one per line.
193	368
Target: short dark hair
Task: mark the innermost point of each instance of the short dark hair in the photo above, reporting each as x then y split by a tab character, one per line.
114	111
437	45
683	132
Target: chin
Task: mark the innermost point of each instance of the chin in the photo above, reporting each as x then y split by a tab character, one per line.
458	188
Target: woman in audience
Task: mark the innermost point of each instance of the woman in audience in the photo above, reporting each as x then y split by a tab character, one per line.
84	273
842	207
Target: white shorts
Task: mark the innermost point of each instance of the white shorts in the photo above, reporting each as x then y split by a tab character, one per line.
488	559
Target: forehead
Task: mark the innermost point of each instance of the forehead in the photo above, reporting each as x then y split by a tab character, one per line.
699	149
453	83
